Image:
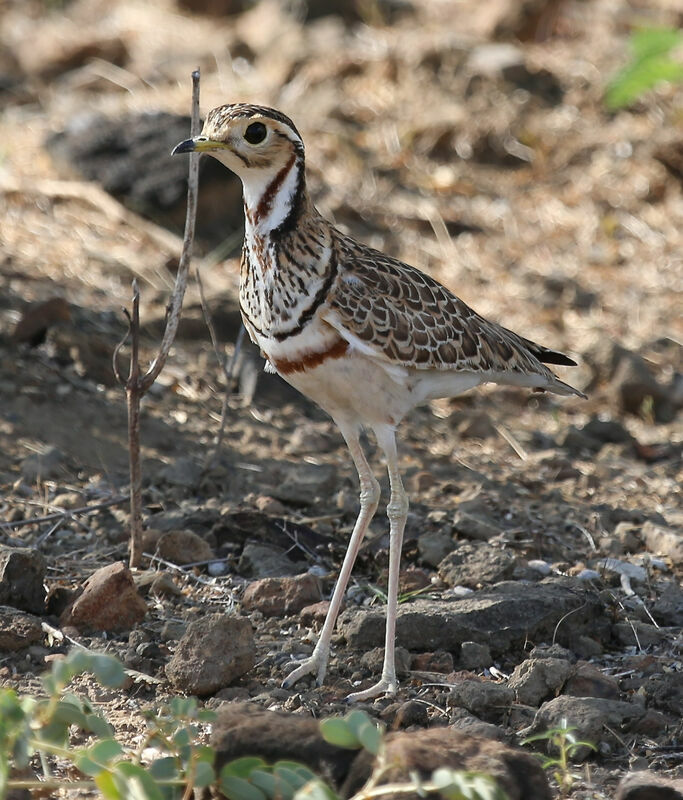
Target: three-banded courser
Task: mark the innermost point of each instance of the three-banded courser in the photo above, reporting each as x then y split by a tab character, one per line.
360	333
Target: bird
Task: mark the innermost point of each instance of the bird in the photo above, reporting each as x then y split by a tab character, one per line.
364	335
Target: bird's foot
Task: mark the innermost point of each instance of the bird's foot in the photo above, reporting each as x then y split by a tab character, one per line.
315	665
386	685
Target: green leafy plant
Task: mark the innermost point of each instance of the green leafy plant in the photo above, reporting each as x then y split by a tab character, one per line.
170	762
162	768
565	744
652	62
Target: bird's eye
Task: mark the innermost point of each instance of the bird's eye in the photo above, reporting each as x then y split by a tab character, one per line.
255	133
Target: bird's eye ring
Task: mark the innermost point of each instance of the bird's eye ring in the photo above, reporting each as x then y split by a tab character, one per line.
255	133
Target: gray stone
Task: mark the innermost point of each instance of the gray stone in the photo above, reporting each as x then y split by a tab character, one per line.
18	629
473	726
636	633
42	465
475	525
183	472
502	617
668	607
373	661
587	680
434	546
263	561
643	785
661	540
485	699
474	655
634	387
214	652
475	564
172	630
591	716
607	431
22	572
477	425
537	679
577	440
304	482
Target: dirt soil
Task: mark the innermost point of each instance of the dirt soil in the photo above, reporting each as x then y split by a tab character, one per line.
469	139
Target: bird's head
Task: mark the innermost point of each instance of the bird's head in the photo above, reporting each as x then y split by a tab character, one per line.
250	140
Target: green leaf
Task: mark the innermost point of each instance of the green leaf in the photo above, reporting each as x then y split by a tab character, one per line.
269	784
61	672
23	750
648	42
136	782
163	769
204	774
183	742
107	785
365	730
99	726
69	714
289	776
87	766
293	773
338	732
238	789
371	738
108	670
242	767
183	707
459	785
106	750
98	757
54	733
204	753
316	790
651	64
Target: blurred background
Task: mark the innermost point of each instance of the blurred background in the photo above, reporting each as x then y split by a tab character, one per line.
527	153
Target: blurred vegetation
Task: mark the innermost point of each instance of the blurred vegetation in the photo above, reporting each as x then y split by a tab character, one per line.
653	60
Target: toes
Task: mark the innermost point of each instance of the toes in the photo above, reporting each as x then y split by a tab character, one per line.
380	688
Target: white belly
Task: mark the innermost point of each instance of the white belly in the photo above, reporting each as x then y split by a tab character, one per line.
360	389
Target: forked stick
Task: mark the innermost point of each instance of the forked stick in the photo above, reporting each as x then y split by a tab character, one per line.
137	384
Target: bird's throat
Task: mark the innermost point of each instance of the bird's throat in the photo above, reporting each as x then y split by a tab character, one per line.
274	203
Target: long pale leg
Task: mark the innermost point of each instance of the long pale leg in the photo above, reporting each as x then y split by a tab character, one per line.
397	511
369	498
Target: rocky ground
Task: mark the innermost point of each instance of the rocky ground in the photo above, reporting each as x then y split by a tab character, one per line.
543	554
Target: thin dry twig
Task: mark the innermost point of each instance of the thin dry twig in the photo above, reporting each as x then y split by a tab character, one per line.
227	367
67	513
138	383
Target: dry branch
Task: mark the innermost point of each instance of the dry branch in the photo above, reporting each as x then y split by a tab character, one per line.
227	367
138	383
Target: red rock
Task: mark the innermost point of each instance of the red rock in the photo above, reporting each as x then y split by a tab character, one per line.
280	596
184	547
109	602
441	661
315	612
213	652
38	317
